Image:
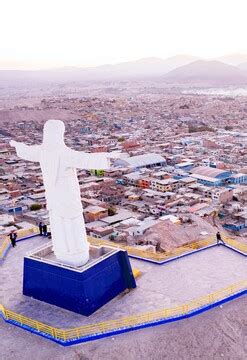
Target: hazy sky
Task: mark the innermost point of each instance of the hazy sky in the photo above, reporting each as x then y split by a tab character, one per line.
49	33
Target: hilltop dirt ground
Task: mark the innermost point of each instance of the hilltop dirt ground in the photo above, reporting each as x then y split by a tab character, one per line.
216	334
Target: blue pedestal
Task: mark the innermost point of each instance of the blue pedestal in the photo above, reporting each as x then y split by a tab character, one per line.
82	290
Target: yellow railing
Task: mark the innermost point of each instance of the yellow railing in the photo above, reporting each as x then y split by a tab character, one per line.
173	253
138	252
4	246
155	256
130	249
20	234
236	244
129	322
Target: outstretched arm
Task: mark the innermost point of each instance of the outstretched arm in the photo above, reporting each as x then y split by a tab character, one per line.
26	152
87	161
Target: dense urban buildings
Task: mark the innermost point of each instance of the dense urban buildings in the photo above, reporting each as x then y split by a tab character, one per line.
180	166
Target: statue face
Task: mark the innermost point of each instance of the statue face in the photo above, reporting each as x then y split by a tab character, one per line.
53	134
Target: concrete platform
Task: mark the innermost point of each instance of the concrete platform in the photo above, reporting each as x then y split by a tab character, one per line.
159	286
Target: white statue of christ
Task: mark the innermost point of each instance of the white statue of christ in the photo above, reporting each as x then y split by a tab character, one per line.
58	164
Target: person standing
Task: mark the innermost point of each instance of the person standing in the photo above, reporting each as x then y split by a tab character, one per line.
219	239
45	230
40	228
48	231
13	237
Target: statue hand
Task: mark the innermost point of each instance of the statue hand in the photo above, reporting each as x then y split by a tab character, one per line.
13	143
114	155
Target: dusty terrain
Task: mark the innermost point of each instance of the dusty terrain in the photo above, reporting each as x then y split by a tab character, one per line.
179	235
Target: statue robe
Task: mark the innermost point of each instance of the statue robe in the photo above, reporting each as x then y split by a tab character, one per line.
63	195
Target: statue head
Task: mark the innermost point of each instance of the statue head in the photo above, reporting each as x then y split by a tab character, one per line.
53	134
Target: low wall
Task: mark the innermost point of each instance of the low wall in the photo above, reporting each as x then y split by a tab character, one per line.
91	332
22	234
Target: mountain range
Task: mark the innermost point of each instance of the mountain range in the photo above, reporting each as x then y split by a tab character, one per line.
215	72
231	69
